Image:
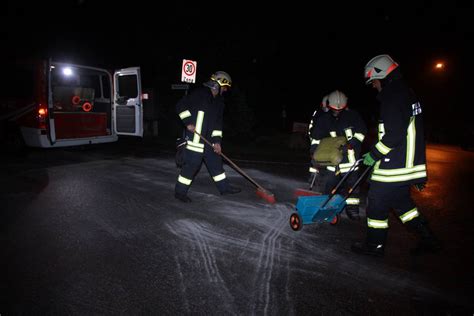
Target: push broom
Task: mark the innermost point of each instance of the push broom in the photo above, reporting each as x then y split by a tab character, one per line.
261	192
309	192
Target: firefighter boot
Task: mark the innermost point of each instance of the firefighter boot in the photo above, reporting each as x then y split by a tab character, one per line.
353	213
230	190
182	197
428	242
374	244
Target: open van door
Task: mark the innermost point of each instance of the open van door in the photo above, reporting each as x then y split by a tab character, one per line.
51	123
128	105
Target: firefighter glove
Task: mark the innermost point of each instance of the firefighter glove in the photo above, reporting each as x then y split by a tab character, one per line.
368	160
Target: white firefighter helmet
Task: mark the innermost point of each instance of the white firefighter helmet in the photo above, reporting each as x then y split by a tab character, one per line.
337	101
222	78
219	79
379	67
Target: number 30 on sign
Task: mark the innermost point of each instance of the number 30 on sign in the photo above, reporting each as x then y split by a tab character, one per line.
188	71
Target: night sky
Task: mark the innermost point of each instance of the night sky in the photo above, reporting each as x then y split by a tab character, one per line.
281	55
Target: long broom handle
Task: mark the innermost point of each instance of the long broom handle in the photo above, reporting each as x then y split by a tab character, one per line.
233	164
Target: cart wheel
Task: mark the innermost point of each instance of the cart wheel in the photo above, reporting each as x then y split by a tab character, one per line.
335	220
295	222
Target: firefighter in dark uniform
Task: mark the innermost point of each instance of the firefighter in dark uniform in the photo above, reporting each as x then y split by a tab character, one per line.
202	111
313	171
398	159
342	121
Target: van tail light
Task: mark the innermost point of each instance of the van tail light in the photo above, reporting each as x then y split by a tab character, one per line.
41	115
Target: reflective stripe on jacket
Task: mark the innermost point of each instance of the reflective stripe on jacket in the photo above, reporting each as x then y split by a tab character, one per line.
400	149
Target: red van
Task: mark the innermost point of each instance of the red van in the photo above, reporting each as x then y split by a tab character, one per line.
55	104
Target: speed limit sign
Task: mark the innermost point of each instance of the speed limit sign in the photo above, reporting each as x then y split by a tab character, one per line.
188	71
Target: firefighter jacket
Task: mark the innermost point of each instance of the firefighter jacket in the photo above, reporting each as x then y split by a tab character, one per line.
205	112
349	124
400	150
314	118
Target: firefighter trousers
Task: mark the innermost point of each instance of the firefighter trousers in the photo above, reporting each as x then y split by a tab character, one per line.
192	164
382	198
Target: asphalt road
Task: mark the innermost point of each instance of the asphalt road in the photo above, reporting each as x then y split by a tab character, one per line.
98	231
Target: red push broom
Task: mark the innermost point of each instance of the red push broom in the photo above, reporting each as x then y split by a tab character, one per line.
261	192
303	192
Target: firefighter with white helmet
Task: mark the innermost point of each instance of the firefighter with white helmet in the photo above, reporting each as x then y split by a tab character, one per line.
218	80
379	67
341	121
398	159
202	111
337	101
323	108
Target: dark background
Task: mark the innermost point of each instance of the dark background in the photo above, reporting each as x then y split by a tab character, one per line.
287	55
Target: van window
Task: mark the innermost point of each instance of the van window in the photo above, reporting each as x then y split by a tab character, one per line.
127	86
105	87
92	82
77	89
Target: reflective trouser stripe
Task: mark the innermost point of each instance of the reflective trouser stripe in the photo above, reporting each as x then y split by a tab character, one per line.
219	177
374	223
315	142
352	201
184	180
312	170
408	216
332	134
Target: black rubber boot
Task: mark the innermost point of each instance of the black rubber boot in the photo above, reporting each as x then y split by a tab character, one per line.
182	197
353	213
426	245
374	245
231	190
428	242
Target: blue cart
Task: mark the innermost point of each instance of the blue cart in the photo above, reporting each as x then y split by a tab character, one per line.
324	208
